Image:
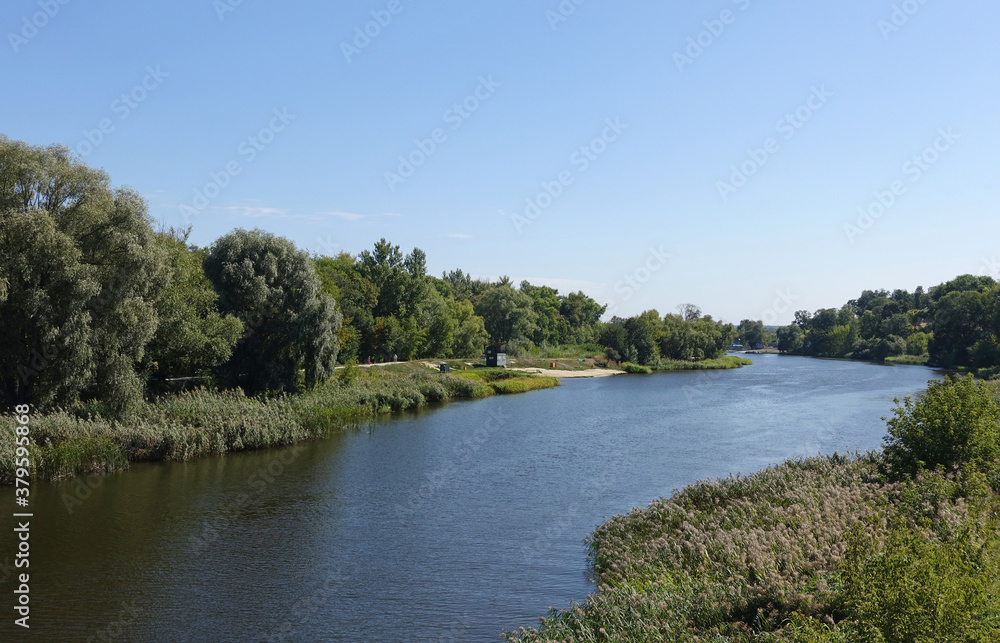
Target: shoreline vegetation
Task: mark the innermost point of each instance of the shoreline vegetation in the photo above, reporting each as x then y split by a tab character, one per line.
86	439
892	546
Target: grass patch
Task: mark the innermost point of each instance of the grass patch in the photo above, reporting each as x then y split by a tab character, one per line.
907	360
639	369
82	440
502	381
720	363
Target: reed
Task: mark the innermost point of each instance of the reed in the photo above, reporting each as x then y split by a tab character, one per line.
85	440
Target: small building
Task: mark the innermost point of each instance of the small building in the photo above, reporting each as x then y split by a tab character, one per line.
496	357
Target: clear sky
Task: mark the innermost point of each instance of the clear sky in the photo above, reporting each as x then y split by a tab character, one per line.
704	152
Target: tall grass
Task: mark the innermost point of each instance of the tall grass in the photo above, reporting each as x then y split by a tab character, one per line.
815	550
83	440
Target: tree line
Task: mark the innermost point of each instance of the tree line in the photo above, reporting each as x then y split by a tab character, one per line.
96	304
955	324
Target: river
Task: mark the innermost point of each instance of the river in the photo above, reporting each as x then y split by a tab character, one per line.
450	524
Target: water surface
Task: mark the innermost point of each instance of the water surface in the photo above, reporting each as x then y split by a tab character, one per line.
445	525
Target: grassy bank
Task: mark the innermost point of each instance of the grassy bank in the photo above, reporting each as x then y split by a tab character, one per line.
81	440
670	365
907	360
721	363
812	550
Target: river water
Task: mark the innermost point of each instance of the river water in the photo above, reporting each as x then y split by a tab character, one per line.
450	524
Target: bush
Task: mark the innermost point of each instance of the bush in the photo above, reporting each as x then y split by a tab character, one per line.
914	587
629	367
953	423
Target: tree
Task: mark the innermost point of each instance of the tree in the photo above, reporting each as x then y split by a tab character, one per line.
751	332
469	335
615	340
192	337
93	294
273	289
916	343
46	348
507	315
790	338
464	287
580	314
953	423
356	297
545	302
689	312
384	266
435	316
960	319
641	334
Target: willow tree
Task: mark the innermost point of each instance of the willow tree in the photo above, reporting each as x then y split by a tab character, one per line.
80	271
289	324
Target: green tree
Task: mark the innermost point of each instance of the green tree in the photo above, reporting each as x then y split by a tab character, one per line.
469	335
508	315
916	343
273	289
356	297
102	315
580	315
953	423
546	303
384	266
790	338
435	316
192	337
46	347
751	332
960	319
642	334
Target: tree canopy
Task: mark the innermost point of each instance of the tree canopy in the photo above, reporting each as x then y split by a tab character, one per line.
290	325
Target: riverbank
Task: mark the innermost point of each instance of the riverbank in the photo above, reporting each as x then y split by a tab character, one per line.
82	440
814	550
881	546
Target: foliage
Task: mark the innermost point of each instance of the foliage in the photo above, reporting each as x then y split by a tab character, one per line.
272	288
957	324
191	337
751	333
953	423
81	272
83	440
790	338
508	315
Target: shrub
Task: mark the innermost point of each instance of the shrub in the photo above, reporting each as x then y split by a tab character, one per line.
915	587
629	367
952	423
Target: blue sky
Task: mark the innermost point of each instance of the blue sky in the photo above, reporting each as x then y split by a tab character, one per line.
648	153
